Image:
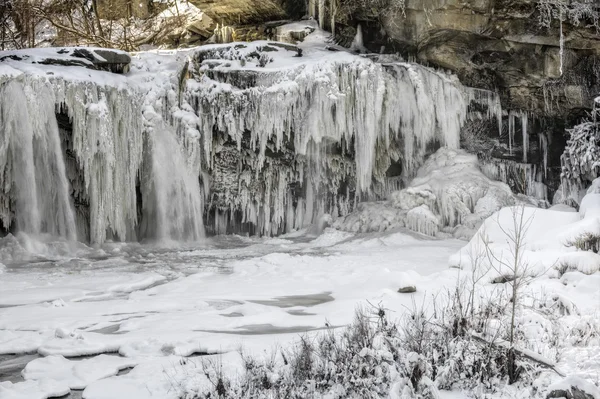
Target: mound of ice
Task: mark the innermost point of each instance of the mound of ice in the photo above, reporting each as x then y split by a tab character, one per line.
450	194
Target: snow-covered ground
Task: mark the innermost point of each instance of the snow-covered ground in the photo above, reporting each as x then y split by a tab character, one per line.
155	306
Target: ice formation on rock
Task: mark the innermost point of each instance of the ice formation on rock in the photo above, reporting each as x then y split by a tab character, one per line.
340	122
524	178
108	138
449	194
271	138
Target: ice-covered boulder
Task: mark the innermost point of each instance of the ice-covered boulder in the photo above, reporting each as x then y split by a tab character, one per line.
372	217
449	194
453	186
102	59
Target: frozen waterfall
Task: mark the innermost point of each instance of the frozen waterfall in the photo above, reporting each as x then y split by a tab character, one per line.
109	139
317	137
32	169
253	137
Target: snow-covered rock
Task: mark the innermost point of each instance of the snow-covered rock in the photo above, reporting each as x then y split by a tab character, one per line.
111	60
39	389
76	374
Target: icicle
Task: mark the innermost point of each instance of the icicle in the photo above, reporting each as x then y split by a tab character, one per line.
358	42
511	172
366	105
422	220
562	43
524	122
321	14
312	9
490	101
544	149
511	131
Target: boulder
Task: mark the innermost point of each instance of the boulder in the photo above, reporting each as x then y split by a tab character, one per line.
506	278
408	289
241	12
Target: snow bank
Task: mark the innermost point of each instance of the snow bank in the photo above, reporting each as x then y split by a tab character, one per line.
550	239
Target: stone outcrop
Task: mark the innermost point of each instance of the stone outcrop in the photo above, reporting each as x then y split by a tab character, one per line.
492	44
501	44
241	12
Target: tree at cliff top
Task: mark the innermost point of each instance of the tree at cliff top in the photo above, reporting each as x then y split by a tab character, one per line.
577	12
103	23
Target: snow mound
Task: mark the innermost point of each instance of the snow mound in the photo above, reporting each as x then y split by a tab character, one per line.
562	208
449	194
595	187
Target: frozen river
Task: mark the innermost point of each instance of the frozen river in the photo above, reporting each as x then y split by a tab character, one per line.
149	306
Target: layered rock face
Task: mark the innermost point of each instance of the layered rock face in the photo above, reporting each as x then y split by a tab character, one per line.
502	44
241	11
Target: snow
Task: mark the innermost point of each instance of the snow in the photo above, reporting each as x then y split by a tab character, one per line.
65	54
158	306
264	292
312	280
77	374
40	389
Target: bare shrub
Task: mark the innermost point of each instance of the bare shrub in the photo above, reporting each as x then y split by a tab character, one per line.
586	242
